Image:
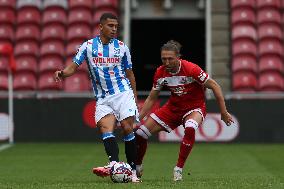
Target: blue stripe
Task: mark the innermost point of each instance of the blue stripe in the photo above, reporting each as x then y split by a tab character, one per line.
95	89
129	137
99	81
118	79
95	47
105	51
108	80
107	135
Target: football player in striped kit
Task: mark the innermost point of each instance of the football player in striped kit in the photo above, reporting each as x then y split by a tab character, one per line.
186	105
114	86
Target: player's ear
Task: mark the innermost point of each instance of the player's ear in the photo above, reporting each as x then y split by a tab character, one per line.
101	27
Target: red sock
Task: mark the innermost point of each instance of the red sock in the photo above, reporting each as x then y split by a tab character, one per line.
186	146
141	145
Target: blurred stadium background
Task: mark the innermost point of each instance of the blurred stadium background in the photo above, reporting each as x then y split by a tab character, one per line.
238	42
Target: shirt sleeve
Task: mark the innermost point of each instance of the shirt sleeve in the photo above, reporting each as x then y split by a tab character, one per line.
126	59
81	54
157	83
199	75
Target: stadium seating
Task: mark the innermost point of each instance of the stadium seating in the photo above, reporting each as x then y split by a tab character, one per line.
244	63
26	48
79	82
50	64
7	16
54	15
6	33
24	81
26	64
257	45
53	31
3	81
86	4
271	64
27	32
78	32
113	4
4	61
11	4
46	82
270	31
240	4
80	16
271	82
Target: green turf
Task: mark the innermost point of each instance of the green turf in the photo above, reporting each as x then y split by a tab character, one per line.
68	165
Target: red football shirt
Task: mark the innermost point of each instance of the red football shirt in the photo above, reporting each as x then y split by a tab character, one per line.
186	86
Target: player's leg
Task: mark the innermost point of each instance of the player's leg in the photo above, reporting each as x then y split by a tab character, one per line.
106	122
191	123
142	135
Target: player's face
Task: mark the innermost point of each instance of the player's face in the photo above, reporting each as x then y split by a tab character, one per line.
170	61
109	28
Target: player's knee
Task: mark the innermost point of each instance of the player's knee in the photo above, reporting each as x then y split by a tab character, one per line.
127	129
143	132
191	123
129	137
107	135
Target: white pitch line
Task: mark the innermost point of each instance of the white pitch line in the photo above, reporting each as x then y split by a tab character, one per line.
5	146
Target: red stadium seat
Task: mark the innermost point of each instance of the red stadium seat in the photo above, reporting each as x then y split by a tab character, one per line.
242	4
86	4
96	30
269	16
244	31
80	16
53	32
24	81
46	82
272	81
98	14
6	32
270	31
82	68
78	32
50	64
244	82
8	4
52	47
3	81
244	46
268	4
270	47
98	4
26	64
54	15
243	16
4	64
28	31
7	16
244	63
271	64
29	15
77	83
26	48
72	47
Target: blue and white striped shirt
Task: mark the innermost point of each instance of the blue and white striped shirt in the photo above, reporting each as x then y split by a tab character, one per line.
107	65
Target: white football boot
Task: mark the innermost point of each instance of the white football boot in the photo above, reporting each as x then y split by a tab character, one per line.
177	174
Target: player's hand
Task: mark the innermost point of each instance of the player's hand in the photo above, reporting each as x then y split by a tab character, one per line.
58	76
227	118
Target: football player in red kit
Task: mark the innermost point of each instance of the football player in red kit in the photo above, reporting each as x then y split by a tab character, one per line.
186	105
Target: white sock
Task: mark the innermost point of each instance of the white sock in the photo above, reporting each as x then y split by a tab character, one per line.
178	169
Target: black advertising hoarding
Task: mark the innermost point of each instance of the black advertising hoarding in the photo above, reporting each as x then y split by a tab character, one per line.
71	119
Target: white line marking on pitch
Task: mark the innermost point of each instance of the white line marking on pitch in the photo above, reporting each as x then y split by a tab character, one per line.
5	146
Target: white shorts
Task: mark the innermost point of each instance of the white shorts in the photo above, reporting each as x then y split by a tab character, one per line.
121	105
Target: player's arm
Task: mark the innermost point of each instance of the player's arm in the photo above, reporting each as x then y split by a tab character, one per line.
149	102
215	87
131	77
66	72
72	67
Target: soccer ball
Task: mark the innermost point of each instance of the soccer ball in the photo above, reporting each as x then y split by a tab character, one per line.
120	172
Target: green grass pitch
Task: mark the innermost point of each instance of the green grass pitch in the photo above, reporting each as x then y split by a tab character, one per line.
68	165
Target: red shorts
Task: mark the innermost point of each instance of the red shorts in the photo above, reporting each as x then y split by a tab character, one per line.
170	119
